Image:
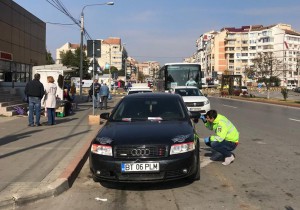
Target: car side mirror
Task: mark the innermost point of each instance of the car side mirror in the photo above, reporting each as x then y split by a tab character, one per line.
104	116
205	95
195	116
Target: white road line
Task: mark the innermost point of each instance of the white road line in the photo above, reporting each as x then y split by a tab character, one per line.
294	119
230	106
205	161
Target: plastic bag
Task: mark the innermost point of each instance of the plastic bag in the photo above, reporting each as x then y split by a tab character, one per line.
109	96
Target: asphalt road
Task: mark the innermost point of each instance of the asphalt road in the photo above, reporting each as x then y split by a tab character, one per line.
265	174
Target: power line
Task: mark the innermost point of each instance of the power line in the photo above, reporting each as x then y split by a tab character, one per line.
59	6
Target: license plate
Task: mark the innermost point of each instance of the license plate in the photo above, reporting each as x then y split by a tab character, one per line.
195	109
139	167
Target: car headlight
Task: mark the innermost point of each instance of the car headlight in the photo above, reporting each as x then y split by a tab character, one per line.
101	149
206	102
182	148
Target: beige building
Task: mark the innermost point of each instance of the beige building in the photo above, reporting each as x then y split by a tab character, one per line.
149	69
22	43
63	49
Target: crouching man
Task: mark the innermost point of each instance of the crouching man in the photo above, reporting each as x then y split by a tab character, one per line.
226	136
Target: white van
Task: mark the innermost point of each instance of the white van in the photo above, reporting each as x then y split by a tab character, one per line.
291	86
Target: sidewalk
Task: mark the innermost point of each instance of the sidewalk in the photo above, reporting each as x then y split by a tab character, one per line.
40	162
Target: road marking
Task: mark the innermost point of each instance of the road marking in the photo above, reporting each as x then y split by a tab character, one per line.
294	119
205	162
230	106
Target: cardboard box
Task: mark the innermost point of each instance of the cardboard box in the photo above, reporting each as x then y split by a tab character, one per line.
94	119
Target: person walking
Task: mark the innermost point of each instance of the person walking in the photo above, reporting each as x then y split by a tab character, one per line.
104	92
95	93
50	100
35	92
226	138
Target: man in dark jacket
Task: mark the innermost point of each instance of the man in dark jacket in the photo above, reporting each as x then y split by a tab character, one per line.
35	92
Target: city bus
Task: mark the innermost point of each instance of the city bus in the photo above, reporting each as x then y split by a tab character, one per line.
178	74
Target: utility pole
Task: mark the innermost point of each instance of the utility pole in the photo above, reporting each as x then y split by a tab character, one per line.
109	70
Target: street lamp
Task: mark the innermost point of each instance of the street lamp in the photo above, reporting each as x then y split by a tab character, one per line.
81	39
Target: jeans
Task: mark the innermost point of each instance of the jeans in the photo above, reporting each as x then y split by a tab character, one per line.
96	99
34	107
51	116
103	102
223	147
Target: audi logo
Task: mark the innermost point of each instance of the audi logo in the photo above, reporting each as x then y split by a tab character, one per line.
140	152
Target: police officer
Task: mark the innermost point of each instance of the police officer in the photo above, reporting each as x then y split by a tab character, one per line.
226	138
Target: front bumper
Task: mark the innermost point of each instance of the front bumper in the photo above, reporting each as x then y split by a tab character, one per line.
171	168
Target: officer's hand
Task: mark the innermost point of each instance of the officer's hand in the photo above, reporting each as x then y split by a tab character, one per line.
202	117
206	140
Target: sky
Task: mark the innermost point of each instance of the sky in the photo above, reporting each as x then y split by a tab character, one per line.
157	30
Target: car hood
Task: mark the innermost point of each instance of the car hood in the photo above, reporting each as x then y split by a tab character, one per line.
163	132
194	98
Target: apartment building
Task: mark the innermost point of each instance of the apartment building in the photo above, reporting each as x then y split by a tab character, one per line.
233	49
149	69
112	52
22	43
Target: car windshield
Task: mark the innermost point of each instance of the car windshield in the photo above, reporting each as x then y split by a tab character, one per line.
152	109
188	92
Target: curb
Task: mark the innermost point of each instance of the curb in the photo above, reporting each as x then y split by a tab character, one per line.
123	93
63	183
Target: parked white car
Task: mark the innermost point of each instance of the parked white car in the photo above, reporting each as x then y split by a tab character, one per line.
193	98
291	86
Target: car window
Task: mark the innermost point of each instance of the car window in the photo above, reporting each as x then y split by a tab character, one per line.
149	109
188	92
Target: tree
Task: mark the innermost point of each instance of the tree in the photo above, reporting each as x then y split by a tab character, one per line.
266	66
73	60
49	59
113	69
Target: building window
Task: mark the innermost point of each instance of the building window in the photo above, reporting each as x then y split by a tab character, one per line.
13	71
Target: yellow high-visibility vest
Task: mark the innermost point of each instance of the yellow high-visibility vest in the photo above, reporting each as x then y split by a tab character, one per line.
224	130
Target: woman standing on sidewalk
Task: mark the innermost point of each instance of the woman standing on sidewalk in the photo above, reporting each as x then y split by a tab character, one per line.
50	100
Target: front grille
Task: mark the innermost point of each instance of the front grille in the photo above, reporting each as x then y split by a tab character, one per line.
141	151
194	104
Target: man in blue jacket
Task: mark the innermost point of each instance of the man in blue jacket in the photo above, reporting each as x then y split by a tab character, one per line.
104	92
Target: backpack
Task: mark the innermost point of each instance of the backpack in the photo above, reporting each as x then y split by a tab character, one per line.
20	110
